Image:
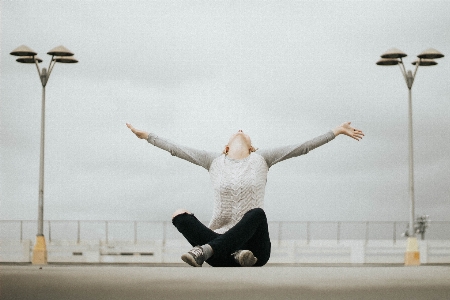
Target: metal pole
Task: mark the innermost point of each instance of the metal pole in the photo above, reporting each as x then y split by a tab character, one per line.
78	231
135	232
106	232
21	231
394	233
308	232
412	255
164	234
40	248
411	166
279	233
367	233
41	168
49	232
338	232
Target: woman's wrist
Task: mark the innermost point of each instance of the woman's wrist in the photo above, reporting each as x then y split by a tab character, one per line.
337	131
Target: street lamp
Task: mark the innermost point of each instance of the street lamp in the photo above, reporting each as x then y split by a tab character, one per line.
27	56
394	57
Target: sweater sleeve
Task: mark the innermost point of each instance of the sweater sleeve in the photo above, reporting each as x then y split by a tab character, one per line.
275	155
195	156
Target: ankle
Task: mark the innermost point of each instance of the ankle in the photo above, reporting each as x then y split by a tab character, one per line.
207	251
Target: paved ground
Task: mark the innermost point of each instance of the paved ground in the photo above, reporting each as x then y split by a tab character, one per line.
61	282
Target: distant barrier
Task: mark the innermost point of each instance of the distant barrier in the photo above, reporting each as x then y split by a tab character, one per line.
143	231
160	242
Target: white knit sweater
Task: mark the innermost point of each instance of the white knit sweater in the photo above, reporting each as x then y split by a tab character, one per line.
239	185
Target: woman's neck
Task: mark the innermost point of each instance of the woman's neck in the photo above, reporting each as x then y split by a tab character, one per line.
238	151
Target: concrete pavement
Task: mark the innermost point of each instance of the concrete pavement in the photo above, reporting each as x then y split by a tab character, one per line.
55	282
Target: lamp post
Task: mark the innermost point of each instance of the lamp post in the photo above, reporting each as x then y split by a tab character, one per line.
27	56
394	57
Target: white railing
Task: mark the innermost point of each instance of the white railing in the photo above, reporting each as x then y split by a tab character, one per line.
160	242
141	231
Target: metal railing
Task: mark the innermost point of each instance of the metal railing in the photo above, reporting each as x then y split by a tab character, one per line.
141	231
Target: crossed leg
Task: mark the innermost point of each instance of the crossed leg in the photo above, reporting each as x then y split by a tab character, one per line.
251	233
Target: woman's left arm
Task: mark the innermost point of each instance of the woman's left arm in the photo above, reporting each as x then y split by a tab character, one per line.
276	155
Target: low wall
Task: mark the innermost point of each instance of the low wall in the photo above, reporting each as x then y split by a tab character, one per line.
283	251
15	251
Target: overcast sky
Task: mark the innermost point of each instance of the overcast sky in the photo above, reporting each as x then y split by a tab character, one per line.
197	71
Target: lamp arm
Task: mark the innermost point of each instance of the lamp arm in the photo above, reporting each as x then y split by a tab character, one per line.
417	67
37	66
50	67
402	69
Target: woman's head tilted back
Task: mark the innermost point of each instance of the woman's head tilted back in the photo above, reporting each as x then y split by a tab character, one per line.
239	140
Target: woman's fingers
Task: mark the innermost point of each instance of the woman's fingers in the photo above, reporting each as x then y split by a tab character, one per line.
139	133
358	135
132	128
350	131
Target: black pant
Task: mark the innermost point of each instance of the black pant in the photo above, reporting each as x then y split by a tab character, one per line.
250	233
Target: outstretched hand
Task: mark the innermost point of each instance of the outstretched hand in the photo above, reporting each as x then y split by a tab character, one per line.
348	130
139	133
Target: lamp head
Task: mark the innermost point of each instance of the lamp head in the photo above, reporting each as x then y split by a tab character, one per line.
430	54
28	59
65	59
60	51
23	51
424	62
393	53
388	62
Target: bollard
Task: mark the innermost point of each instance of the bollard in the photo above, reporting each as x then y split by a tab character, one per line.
39	251
412	255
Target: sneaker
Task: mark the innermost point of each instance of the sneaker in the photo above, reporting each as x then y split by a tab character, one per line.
194	257
245	258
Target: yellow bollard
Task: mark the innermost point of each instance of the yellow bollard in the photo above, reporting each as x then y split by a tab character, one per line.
412	255
39	251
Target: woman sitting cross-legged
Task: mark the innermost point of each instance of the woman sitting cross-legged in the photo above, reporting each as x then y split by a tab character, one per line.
237	234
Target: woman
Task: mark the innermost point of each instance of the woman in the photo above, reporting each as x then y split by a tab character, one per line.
237	234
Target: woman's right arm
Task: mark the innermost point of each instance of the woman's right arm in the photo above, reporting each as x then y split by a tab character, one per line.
195	156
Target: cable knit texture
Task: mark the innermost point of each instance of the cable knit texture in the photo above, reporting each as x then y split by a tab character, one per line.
239	185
